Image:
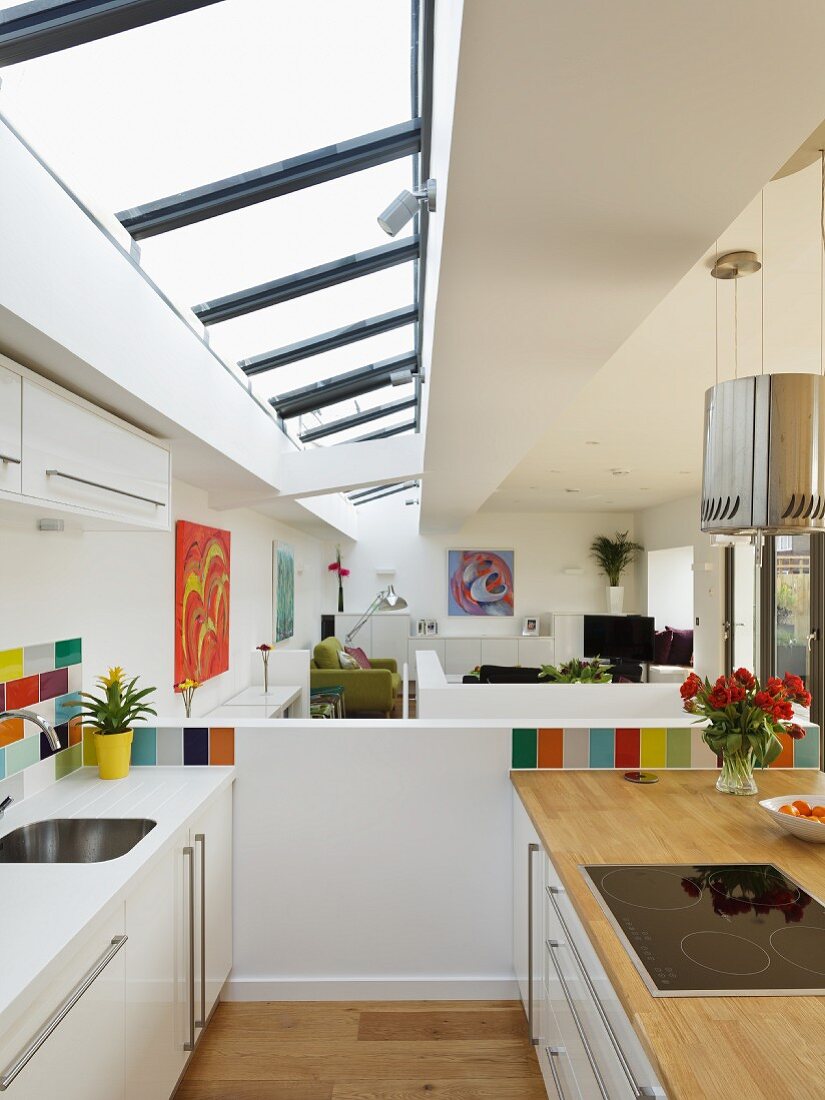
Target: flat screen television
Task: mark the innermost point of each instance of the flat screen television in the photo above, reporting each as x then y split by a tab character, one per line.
619	637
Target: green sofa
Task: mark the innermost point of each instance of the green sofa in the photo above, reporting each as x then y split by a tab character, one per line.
372	689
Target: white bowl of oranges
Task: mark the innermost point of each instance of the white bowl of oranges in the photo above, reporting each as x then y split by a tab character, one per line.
800	814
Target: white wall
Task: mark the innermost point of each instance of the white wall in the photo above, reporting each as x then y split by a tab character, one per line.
115	589
670	587
544	544
677	524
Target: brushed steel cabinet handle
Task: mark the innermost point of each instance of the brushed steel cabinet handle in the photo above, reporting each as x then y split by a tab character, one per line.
531	851
60	1013
588	1050
9	458
553	1055
639	1090
200	838
108	488
189	853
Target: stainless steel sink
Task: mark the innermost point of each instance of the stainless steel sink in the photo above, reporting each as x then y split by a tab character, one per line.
74	839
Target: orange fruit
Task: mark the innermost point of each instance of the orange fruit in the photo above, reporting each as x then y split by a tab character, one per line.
818	811
789	810
803	808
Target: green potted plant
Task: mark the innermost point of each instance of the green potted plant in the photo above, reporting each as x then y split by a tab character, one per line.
576	671
111	716
613	557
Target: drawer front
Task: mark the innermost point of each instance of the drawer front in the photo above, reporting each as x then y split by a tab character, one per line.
83	1057
66	447
499	651
461	655
569	950
10	430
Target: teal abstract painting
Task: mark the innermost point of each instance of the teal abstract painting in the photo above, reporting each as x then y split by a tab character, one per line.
283	590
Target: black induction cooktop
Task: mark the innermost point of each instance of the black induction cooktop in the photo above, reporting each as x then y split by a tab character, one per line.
715	930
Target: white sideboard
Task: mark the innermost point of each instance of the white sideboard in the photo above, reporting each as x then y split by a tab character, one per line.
458	655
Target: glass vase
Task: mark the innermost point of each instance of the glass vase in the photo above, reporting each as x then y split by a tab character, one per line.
736	776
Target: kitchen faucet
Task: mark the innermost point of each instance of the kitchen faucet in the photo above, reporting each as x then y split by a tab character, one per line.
29	715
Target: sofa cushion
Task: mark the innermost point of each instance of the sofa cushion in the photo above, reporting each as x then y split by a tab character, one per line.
662	644
346	660
681	650
326	653
358	655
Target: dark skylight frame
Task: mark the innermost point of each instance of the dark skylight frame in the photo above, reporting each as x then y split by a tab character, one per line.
343	386
366	416
41	27
273	180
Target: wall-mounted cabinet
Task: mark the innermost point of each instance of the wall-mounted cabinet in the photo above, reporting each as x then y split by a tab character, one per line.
62	455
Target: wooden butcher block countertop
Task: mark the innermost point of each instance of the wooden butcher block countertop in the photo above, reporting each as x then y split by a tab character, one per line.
765	1047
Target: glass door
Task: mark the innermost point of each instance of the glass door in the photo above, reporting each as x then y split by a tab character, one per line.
793	636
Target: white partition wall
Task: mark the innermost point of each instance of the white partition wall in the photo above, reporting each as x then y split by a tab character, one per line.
287	666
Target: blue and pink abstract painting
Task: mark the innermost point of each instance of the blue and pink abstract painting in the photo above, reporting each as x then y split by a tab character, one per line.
480	582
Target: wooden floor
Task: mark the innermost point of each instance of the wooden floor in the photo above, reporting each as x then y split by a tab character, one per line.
365	1050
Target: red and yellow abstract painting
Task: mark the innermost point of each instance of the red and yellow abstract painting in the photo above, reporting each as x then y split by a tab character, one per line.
201	601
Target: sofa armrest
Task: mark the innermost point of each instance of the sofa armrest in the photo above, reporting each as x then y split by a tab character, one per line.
389	663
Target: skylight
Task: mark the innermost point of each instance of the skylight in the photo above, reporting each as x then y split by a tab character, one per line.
227	90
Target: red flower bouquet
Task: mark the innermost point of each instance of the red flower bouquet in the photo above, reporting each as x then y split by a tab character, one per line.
745	720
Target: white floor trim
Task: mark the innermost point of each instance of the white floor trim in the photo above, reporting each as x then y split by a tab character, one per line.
368	989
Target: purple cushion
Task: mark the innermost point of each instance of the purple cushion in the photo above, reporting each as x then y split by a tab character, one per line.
662	645
681	650
359	655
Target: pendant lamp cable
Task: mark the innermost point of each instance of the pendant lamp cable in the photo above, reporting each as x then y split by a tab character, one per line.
762	287
716	315
736	326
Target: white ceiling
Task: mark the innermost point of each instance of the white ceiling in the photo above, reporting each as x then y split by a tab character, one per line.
597	153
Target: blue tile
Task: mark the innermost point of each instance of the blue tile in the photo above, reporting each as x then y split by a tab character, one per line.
602	746
806	751
65	707
46	750
196	746
145	747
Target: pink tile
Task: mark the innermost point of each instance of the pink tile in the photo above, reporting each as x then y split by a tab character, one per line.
54	683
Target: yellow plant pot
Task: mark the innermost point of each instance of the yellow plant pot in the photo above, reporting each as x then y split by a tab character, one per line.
114	754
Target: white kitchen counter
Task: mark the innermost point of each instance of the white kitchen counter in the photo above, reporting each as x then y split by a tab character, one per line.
46	907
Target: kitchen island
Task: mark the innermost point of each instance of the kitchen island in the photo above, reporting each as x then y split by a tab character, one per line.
699	1046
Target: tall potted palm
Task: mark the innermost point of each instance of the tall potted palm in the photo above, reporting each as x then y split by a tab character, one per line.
613	557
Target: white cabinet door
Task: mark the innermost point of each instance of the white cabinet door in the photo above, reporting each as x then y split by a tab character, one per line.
461	655
535	652
157	986
390	634
10	430
211	838
528	910
499	651
83	1058
419	645
75	457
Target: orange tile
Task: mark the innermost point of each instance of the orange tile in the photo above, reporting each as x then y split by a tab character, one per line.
22	693
785	758
11	730
75	731
551	748
221	746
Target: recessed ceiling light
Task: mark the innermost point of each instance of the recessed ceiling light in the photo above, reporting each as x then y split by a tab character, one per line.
684	471
591	442
554	471
617	471
644	488
572	490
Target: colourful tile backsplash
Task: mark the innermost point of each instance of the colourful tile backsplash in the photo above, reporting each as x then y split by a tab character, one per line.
649	748
44	678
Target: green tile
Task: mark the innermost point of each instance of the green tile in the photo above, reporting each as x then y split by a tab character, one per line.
806	750
144	747
602	748
22	754
67	652
525	748
68	761
2	763
678	748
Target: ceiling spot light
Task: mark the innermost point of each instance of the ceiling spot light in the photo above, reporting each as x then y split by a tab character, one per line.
617	471
405	206
572	490
591	442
